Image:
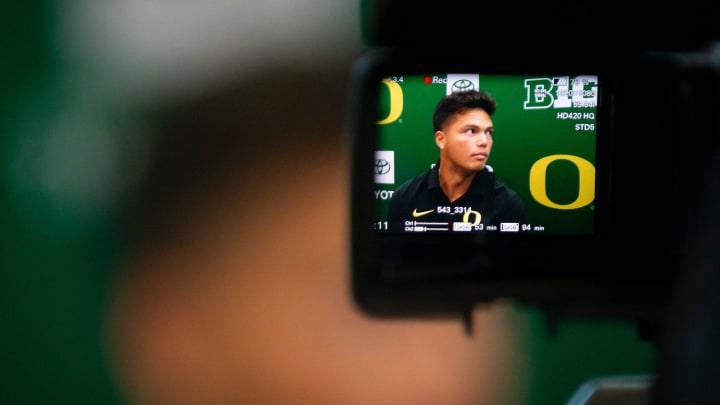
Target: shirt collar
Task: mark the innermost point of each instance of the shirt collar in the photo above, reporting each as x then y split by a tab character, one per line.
478	185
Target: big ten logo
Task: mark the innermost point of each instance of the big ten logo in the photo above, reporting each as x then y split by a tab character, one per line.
395	105
586	182
561	92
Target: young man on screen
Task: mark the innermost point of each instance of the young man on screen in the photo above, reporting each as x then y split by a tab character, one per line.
460	192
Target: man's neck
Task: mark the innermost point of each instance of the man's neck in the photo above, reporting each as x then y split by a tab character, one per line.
453	183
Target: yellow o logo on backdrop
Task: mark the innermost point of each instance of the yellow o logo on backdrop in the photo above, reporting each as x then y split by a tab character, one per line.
586	186
396	102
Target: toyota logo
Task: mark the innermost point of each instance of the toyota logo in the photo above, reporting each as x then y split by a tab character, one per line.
382	166
462	85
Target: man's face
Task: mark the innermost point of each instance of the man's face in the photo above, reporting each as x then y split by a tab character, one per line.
465	142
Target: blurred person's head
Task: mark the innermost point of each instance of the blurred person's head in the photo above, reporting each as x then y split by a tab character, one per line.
235	285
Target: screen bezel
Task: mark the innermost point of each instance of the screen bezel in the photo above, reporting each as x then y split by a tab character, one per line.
400	273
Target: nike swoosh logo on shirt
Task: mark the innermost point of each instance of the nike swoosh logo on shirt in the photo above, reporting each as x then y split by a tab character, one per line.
416	214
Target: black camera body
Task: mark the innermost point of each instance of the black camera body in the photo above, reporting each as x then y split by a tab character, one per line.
637	127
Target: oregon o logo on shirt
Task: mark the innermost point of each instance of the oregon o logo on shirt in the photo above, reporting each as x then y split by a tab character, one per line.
476	217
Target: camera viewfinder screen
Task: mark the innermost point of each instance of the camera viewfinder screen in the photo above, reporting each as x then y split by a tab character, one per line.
538	147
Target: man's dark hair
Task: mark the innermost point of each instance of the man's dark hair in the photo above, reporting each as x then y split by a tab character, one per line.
460	101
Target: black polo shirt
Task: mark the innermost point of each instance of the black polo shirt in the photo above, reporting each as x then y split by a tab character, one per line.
419	205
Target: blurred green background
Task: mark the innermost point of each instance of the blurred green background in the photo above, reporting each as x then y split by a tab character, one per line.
58	152
54	256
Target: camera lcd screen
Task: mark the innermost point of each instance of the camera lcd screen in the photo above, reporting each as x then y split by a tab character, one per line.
533	214
568	146
544	145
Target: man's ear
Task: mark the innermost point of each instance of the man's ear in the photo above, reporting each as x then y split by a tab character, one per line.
440	139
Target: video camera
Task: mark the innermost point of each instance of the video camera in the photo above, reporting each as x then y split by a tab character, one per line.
606	141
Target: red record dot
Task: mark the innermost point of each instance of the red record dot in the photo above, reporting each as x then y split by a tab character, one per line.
428	80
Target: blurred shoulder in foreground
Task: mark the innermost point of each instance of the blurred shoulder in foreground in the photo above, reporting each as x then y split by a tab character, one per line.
234	286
